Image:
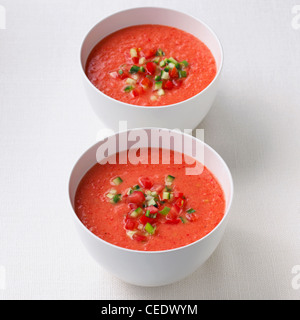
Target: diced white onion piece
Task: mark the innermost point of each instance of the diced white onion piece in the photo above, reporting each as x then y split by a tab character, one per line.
165	75
142	60
130	233
114	75
161	92
133	53
130	81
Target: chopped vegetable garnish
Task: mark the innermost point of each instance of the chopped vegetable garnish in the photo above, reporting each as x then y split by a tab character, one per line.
165	211
160	53
182	219
165	75
161	92
142	60
151	202
170	178
191	211
130	81
134	69
116	198
182	74
133	53
149	228
147	210
128	89
117	181
185	63
163	63
158	85
137	212
151	71
166	195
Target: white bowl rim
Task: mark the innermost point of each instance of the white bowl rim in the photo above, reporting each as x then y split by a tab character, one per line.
228	206
155	107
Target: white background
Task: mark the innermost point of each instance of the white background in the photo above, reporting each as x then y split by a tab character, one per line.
46	123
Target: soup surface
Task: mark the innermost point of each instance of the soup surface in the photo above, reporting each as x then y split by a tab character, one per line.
149	207
151	65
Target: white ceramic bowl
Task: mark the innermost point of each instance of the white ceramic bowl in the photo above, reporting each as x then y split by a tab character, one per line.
184	115
152	268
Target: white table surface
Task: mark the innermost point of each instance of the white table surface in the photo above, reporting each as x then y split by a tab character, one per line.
46	123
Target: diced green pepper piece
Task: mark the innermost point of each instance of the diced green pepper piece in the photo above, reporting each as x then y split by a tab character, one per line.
182	74
165	211
185	63
136	212
191	211
116	198
149	228
117	181
158	85
182	219
172	60
134	69
160	53
128	88
170	178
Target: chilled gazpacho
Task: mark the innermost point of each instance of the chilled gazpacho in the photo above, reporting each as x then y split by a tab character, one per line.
149	207
151	65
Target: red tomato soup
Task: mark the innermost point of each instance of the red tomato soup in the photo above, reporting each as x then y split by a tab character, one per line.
149	207
151	65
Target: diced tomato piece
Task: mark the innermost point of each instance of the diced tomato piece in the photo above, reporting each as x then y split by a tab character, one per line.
174	73
144	220
131	224
158	188
148	53
146	82
173	213
177	83
136	197
137	91
173	221
135	60
124	75
152	209
139	237
178	194
132	206
145	182
114	74
191	217
169	85
173	216
179	202
151	68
